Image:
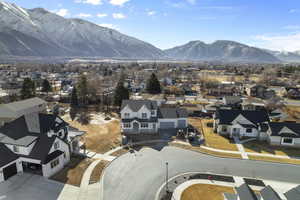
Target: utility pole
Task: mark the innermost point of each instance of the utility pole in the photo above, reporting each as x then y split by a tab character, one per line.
167	177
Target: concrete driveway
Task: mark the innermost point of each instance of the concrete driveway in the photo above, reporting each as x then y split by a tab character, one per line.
139	176
33	187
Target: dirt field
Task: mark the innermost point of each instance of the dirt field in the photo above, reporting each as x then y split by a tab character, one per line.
211	139
100	138
96	174
205	192
73	172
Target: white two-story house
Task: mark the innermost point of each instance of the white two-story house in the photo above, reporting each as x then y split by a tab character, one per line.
145	116
36	143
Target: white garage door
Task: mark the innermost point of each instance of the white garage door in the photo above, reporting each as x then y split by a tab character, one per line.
166	125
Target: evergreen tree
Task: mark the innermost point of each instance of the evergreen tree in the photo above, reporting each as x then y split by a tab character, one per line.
46	86
28	89
74	98
83	89
121	93
153	85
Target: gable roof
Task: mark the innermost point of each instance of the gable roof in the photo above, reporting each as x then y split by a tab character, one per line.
254	116
293	193
276	128
268	193
135	105
172	113
11	108
246	193
7	156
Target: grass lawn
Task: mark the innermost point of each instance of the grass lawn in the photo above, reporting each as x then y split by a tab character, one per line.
264	147
100	138
73	171
205	192
201	150
212	139
96	174
270	159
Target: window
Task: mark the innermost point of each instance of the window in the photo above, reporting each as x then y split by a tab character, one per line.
127	115
144	125
152	112
249	130
16	149
126	125
287	141
224	129
144	115
65	155
154	126
54	163
56	145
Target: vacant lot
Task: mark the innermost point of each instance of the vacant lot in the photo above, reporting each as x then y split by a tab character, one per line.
265	148
293	112
100	138
205	192
97	172
73	172
211	139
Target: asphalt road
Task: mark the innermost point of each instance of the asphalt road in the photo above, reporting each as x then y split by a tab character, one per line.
139	176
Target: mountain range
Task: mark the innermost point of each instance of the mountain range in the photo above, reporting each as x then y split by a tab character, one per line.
40	33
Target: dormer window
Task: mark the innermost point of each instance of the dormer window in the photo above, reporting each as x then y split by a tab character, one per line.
144	115
56	145
127	115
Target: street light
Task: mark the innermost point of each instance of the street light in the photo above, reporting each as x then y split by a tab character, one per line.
167	189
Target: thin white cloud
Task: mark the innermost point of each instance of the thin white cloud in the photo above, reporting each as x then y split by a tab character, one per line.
294	10
84	15
118	2
101	15
111	26
151	13
191	1
118	16
92	2
62	12
290	42
292	27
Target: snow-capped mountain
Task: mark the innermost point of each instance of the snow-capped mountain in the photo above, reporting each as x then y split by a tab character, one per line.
286	56
221	50
38	32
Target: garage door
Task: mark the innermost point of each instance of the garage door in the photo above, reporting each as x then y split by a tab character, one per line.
181	124
166	125
10	171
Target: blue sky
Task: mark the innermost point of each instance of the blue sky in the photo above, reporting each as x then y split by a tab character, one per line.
273	24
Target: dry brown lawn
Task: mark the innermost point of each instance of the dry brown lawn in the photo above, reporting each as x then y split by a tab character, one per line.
100	138
202	150
212	139
120	152
205	192
73	171
97	172
293	112
265	148
270	159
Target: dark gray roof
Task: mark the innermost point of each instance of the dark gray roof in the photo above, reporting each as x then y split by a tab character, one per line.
277	126
135	105
293	194
255	116
268	193
7	156
246	193
172	113
52	156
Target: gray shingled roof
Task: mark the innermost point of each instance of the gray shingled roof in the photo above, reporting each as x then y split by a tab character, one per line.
7	156
10	109
277	126
246	193
172	113
293	194
135	105
268	193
